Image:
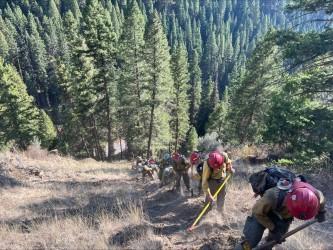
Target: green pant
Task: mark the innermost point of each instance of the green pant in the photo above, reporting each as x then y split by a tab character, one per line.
160	173
186	178
168	176
253	230
214	184
200	186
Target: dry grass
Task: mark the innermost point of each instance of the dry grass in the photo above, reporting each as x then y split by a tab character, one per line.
91	205
71	205
72	232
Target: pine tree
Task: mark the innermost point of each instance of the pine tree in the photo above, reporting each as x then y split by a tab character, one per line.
132	81
218	119
19	117
180	110
250	93
209	60
4	47
159	84
38	57
192	141
100	42
53	11
195	87
73	6
76	75
206	106
46	130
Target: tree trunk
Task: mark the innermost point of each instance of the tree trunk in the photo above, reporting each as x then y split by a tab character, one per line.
177	120
109	122
152	111
177	134
121	149
85	146
110	142
151	126
192	121
99	149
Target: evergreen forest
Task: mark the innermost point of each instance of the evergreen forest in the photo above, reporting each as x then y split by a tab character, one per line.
83	75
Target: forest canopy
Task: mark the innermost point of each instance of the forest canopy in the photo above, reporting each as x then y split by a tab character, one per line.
159	73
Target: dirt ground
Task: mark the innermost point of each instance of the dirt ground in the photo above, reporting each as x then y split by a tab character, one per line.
51	202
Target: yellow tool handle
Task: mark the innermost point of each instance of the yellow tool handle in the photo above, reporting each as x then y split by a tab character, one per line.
208	204
222	185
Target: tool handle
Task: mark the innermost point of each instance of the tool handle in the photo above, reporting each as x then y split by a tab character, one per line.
208	204
286	235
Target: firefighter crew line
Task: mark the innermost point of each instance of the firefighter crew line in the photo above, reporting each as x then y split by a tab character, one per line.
283	195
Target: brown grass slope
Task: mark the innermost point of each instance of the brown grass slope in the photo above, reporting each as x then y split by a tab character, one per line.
52	202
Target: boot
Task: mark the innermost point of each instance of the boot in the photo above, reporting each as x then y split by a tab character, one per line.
244	245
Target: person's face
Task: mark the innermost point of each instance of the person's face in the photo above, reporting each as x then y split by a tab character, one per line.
215	170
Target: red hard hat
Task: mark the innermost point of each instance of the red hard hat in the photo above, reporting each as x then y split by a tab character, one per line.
195	156
176	156
215	160
302	202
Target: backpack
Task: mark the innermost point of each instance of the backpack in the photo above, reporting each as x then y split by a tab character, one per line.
181	165
268	178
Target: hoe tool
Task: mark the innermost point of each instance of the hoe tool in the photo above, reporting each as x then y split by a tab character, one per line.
272	243
190	229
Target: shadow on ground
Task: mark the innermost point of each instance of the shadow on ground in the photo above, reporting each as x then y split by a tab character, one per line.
171	211
6	182
88	205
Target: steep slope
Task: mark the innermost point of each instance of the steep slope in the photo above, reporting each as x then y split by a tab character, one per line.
71	204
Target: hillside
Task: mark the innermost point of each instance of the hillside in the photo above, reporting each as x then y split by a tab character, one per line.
87	85
51	202
79	76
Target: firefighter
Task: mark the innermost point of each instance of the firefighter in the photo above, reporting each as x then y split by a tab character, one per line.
181	166
197	163
277	208
215	170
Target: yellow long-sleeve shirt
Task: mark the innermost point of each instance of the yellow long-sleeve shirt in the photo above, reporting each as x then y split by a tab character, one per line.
208	173
268	202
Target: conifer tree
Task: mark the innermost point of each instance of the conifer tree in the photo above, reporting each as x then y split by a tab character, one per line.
192	141
4	47
210	57
218	119
100	41
73	6
53	11
76	75
159	84
132	81
180	103
19	117
46	130
206	106
195	87
38	57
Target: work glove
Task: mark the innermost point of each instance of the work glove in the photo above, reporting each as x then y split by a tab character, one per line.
276	235
321	216
210	198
